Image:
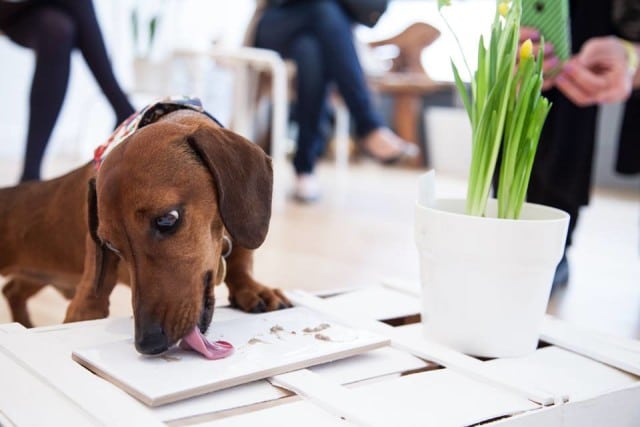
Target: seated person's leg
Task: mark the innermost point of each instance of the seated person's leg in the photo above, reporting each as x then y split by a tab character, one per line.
91	44
51	34
311	93
333	29
327	22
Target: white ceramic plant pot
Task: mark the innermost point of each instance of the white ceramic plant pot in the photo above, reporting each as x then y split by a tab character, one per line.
486	281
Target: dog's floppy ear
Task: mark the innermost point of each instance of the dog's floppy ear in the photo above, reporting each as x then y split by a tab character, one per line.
103	256
91	299
243	176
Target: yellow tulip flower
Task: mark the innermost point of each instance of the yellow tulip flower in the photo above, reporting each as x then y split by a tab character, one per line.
503	8
526	50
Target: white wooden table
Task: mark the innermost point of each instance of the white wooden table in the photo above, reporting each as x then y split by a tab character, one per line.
583	379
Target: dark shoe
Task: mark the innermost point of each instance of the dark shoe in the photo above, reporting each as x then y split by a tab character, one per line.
388	148
561	278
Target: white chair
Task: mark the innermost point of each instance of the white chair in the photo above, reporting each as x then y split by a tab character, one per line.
245	61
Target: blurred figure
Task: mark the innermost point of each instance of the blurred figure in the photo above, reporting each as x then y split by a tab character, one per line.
317	36
603	68
52	29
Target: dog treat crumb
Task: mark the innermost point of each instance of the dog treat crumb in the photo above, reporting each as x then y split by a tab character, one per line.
169	358
320	327
255	340
322	337
276	328
293	332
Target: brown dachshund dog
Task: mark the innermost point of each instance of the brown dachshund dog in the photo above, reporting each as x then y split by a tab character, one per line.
158	215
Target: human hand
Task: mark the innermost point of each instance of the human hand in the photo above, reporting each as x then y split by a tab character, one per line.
599	73
551	64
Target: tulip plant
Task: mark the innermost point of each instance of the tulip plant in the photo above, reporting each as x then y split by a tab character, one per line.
506	111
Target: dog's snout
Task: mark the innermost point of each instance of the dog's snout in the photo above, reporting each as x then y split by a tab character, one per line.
152	340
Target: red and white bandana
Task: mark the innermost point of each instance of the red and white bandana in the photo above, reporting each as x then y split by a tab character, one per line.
149	114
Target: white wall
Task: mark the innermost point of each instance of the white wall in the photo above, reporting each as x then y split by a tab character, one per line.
469	19
86	118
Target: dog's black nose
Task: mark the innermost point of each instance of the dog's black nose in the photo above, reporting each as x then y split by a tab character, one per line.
152	340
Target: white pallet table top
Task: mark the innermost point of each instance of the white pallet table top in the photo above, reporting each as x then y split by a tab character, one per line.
11	327
566	373
618	352
441	398
265	344
20	389
44	363
560	372
380	303
617	408
299	413
586	382
609	380
429	350
62	339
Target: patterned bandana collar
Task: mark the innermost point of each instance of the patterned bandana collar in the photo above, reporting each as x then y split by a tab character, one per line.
149	114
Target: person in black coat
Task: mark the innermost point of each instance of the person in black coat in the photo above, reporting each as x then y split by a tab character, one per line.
603	68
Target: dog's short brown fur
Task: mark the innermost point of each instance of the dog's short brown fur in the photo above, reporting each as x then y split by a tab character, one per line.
86	231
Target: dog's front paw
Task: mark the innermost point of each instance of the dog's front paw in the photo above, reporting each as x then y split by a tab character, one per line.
258	299
78	314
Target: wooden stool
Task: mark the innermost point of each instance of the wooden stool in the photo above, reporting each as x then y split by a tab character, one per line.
407	82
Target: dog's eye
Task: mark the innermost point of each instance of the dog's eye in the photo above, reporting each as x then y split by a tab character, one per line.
167	222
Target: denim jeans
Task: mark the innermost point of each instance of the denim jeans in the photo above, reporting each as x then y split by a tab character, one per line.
317	36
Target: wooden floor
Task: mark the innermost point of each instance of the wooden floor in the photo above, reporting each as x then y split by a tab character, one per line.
362	232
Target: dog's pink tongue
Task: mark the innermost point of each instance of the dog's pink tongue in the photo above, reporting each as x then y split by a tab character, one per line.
195	341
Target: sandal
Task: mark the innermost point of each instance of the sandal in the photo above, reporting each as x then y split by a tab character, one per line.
387	148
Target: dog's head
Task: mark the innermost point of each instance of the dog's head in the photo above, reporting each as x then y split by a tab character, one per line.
163	201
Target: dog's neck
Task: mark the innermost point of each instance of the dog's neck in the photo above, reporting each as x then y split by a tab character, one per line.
149	114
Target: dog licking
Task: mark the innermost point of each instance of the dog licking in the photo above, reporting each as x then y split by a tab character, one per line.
155	210
197	342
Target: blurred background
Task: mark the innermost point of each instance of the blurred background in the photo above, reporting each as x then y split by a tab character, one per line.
362	229
197	25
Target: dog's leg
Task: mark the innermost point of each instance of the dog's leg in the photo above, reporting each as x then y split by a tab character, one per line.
17	292
91	300
244	292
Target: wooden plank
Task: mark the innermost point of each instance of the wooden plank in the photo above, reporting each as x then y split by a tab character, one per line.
403	286
335	399
439	398
22	391
298	413
619	408
442	397
372	364
430	350
376	363
44	358
208	406
564	373
9	328
614	351
379	303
